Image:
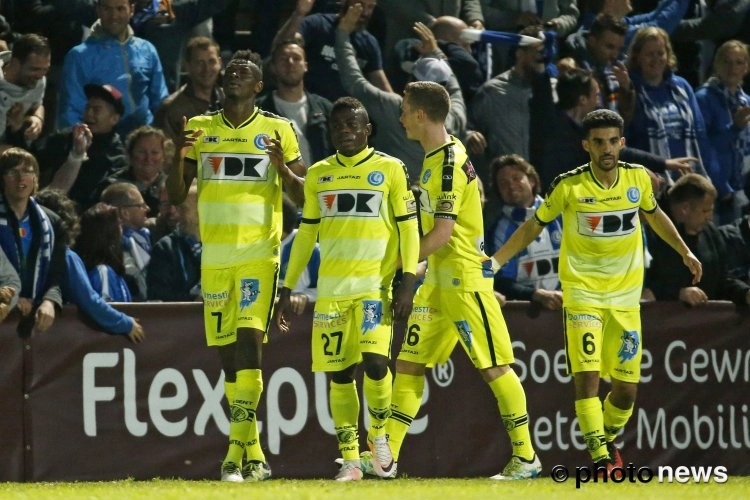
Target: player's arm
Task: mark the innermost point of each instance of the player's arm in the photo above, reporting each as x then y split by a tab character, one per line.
437	238
664	228
404	207
183	170
520	239
302	249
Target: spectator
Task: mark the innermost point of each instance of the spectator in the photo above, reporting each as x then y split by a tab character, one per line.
308	112
469	72
696	37
689	204
100	248
174	272
149	150
76	287
401	16
667	120
384	108
22	86
167	24
554	128
136	238
507	95
319	34
666	15
166	220
75	160
200	94
306	290
599	50
532	273
726	111
28	236
560	16
112	54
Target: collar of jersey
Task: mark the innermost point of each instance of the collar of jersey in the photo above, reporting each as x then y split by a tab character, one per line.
353	161
251	118
440	148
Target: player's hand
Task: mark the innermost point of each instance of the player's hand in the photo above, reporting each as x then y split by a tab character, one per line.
693	296
403	298
548	299
44	317
186	138
298	302
283	305
136	334
276	152
429	42
348	22
476	143
692	263
683	164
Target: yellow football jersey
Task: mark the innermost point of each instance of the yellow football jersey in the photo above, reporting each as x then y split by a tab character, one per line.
601	256
448	188
239	191
360	206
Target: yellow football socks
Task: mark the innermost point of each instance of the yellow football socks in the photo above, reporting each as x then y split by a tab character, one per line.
345	413
405	403
511	400
378	396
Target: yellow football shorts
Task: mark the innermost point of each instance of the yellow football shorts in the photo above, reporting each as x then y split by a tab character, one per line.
605	340
440	318
343	329
238	297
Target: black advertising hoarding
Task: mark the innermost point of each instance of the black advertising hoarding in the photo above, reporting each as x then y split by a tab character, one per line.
156	409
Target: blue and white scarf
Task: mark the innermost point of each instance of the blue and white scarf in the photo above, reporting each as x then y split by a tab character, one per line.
10	243
657	133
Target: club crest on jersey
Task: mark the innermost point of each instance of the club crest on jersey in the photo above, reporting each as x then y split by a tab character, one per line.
259	142
634	194
376	178
605	224
426	176
629	346
355	202
372	312
464	331
235	167
211	139
249	290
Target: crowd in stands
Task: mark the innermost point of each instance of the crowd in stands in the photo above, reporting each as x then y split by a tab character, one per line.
94	95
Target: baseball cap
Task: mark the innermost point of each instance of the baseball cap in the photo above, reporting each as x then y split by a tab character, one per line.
106	92
432	70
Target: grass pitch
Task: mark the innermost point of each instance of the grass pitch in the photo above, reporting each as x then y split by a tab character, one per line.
409	488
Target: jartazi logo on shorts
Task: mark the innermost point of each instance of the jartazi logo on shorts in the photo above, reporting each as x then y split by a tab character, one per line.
358	203
616	223
238	167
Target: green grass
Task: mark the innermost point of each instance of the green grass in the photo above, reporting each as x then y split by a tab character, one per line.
412	489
